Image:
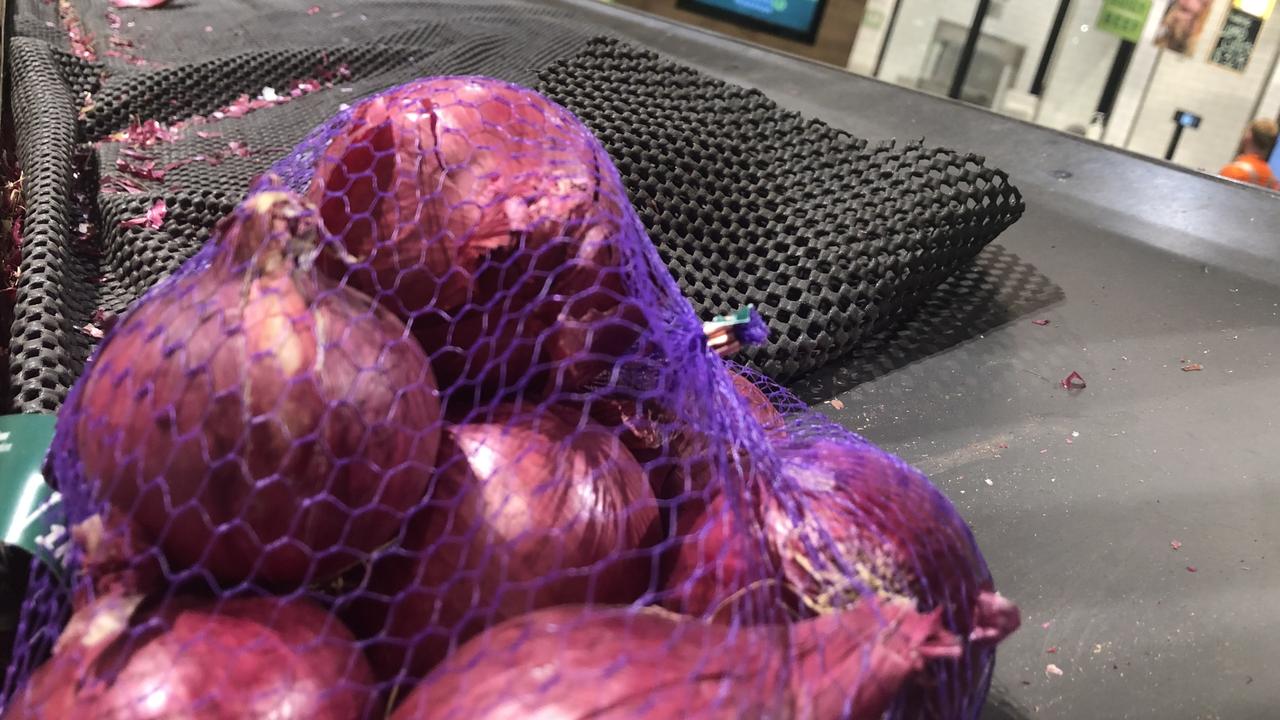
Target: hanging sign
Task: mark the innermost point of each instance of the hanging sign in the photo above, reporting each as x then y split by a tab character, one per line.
1181	25
1123	18
1237	39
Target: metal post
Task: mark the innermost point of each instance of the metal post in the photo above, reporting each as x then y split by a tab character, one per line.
888	36
1050	46
1119	67
970	45
1173	142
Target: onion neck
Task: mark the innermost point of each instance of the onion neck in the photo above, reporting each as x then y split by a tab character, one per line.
871	649
271	233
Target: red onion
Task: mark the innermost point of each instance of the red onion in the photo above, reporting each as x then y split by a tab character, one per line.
879	525
123	657
676	456
527	511
597	333
886	522
866	525
758	404
486	347
430	179
254	420
722	566
570	662
434	184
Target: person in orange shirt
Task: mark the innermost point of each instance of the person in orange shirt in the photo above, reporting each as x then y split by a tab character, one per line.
1250	165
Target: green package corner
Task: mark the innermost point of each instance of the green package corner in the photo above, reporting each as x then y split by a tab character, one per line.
30	510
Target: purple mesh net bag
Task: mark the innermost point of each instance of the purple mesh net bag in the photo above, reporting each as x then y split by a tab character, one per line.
428	431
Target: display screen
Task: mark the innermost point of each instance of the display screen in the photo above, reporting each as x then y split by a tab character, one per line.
1186	119
790	18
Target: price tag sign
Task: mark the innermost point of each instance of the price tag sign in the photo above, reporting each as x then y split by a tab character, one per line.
30	510
1123	18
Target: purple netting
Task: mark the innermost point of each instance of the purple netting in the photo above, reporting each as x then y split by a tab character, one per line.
428	429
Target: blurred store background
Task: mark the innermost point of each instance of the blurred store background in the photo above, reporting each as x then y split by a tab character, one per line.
1192	81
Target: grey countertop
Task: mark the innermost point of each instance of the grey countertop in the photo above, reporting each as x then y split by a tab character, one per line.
1079	498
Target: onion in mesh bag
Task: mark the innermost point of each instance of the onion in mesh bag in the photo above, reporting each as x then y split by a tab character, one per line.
126	657
847	519
527	511
251	418
721	566
484	214
867	520
573	663
758	404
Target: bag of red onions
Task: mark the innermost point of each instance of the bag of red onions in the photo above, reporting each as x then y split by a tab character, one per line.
432	382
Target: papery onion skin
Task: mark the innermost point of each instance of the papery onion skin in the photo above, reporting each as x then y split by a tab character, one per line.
515	522
115	559
254	420
552	664
233	659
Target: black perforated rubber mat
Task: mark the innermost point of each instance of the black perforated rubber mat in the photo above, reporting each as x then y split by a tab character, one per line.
830	236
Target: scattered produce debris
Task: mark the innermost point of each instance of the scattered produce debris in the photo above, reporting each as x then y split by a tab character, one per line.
1041	323
81	40
86	106
1192	367
1053	650
1175	544
837	404
139	4
132	162
120	184
1074	381
146	133
153	218
1052	669
313	10
92	331
1191	568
